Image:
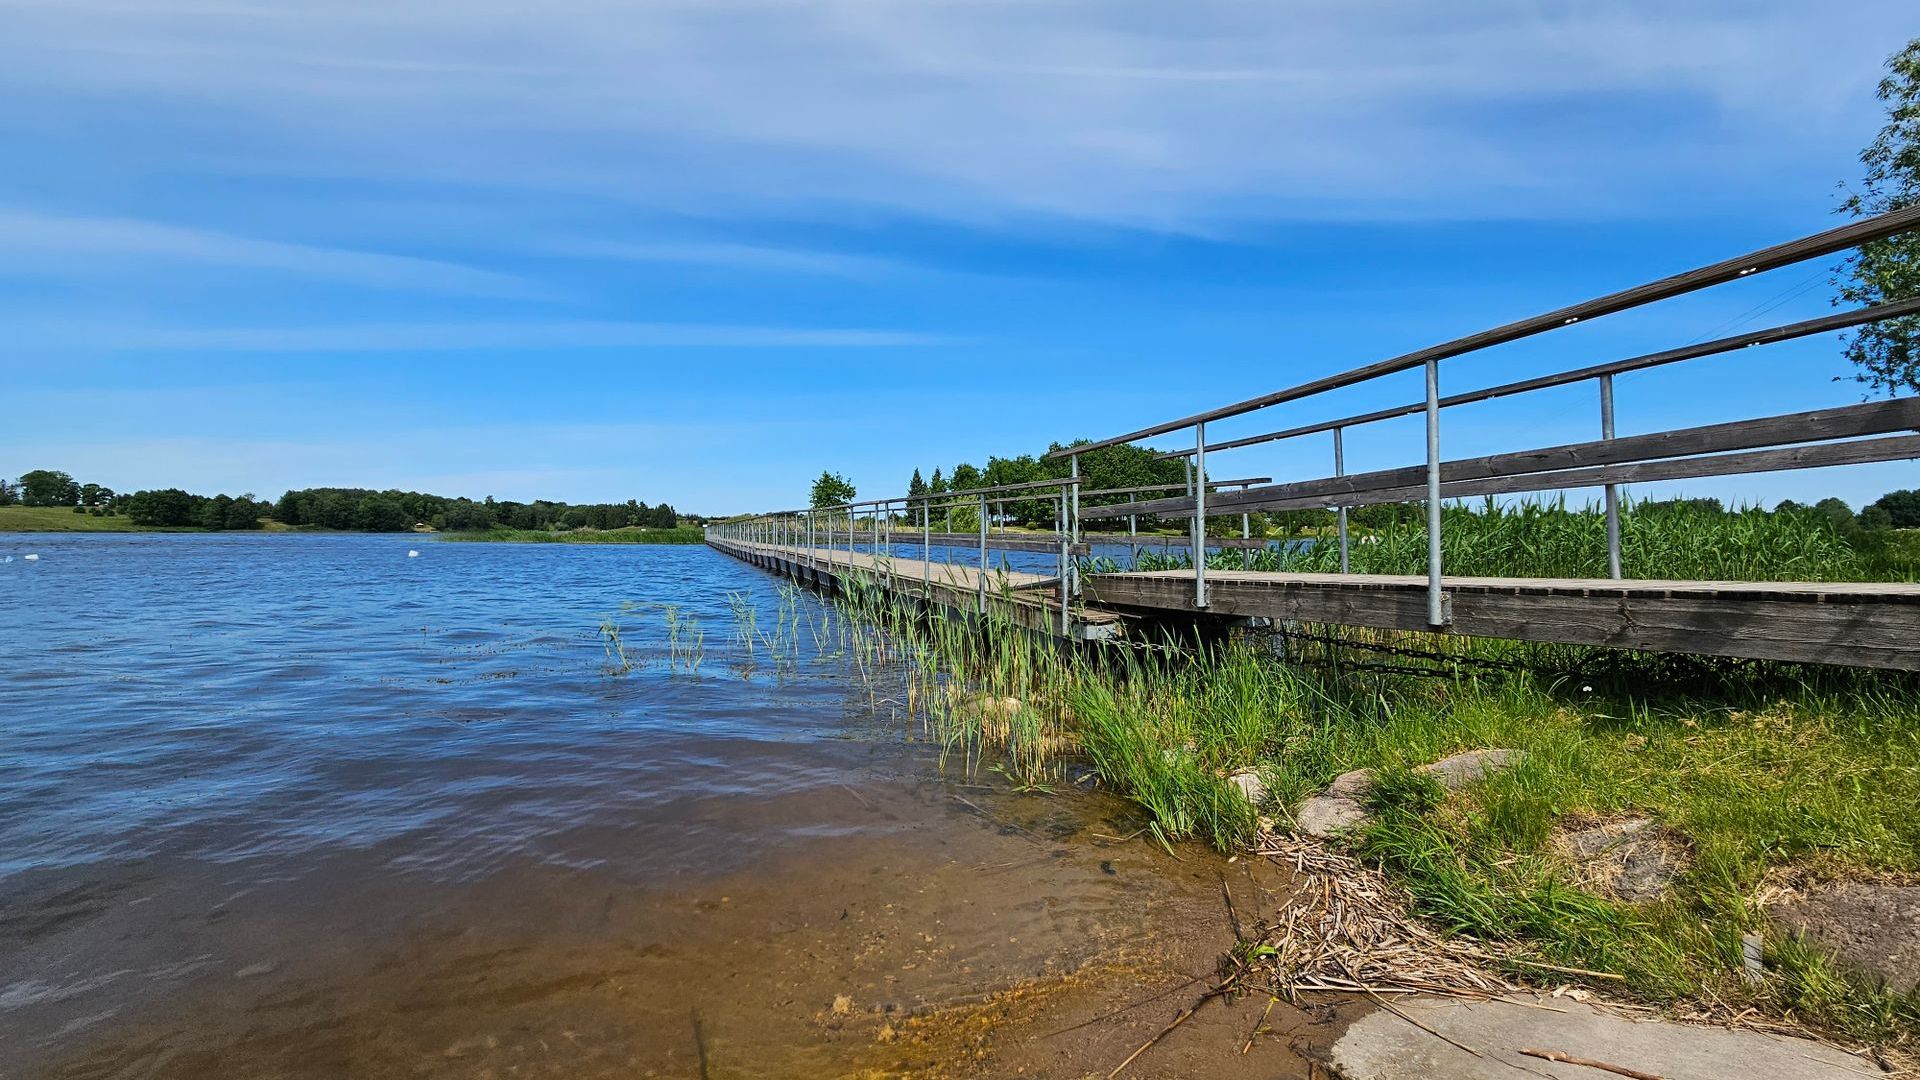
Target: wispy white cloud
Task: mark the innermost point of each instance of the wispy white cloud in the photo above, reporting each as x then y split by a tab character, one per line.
729	256
459	337
1118	110
48	242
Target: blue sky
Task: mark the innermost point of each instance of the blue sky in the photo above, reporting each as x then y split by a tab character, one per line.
698	251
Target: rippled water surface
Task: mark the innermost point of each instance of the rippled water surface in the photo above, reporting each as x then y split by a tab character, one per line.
306	805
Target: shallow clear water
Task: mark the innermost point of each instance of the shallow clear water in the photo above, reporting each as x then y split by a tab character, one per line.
267	697
279	804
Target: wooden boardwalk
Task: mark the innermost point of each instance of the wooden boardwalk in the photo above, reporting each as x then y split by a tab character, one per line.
1862	624
1029	600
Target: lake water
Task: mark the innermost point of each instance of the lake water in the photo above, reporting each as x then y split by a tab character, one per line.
303	805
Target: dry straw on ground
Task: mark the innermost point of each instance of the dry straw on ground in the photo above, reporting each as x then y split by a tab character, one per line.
1346	927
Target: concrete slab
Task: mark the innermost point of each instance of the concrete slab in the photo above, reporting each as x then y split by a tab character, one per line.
1870	927
1384	1046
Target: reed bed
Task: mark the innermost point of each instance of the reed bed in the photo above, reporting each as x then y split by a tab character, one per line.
1665	540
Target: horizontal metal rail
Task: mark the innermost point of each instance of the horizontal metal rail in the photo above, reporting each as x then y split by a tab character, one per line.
1847	421
1176	487
1787	459
1769	336
1820	244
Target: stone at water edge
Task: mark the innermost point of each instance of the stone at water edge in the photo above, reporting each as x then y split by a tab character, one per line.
1338	809
1248	783
1459	770
1342	807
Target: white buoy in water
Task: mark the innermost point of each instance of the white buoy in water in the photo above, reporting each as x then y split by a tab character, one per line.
31	558
411	554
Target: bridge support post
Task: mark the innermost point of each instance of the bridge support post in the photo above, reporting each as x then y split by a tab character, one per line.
1436	599
983	555
1340	513
1197	479
1073	521
1612	490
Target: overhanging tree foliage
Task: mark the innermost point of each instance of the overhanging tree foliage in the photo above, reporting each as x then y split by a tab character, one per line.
1887	353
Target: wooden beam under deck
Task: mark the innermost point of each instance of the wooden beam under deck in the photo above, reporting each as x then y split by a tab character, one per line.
1859	624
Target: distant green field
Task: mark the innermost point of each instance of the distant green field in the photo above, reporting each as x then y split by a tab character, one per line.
62	519
682	535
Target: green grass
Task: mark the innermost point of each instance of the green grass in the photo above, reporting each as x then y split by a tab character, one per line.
680	535
1759	770
1813	774
63	519
1817	777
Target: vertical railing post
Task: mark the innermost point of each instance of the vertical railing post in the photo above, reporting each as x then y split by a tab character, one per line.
1612	490
1340	512
1073	519
926	548
1246	533
1066	548
1436	600
1197	482
983	555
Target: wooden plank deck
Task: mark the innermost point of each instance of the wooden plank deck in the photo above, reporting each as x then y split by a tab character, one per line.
1029	600
1862	624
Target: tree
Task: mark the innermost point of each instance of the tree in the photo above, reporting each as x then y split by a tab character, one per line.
831	489
1887	353
1836	511
1901	509
212	513
937	485
244	512
167	506
47	487
9	494
381	512
465	515
917	493
965	477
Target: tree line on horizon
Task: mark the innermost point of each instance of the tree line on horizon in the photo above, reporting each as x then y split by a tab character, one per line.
349	509
1107	467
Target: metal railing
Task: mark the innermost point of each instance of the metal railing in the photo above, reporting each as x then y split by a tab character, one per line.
1664	455
816	531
